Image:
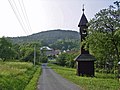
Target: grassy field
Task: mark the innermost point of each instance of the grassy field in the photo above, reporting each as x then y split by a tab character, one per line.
100	82
18	75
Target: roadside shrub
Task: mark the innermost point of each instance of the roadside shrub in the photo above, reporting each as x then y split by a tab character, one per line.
67	59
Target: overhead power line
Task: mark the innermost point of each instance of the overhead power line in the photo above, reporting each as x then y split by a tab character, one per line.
27	16
22	6
17	15
21	14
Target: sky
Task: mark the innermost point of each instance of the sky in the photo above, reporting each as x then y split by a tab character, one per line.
43	15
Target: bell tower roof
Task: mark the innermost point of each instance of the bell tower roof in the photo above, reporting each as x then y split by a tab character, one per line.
83	20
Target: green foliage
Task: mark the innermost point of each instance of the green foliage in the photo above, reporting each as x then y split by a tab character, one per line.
27	54
43	58
16	47
66	44
67	59
23	52
27	51
56	39
103	38
100	82
33	82
48	37
61	60
70	62
6	49
15	75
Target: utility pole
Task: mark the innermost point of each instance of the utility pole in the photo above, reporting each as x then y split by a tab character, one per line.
34	54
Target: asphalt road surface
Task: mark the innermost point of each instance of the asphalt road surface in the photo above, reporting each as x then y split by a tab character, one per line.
50	80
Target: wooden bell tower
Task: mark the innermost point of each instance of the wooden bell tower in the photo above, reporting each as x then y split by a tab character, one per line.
85	61
83	30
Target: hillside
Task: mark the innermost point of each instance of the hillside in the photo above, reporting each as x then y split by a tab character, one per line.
48	37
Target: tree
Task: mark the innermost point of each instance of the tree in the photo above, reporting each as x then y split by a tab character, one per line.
27	51
67	59
16	48
103	39
43	56
61	60
70	59
68	44
6	49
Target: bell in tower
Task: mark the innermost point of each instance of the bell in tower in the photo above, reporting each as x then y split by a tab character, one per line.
85	61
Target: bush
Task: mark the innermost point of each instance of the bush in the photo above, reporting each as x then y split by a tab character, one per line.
43	59
67	59
61	60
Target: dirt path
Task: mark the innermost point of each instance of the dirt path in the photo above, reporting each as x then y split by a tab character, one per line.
50	80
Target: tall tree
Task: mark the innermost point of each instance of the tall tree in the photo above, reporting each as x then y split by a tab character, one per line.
6	49
27	51
103	39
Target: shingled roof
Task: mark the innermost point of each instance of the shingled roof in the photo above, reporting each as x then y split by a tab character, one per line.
83	20
85	57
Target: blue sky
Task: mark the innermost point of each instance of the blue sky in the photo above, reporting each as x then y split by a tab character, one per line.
47	15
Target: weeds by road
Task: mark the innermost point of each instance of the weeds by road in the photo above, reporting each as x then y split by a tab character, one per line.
16	75
87	83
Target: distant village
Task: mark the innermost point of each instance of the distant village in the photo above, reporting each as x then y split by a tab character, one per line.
50	52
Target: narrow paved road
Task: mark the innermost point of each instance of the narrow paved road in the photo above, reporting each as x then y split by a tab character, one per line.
50	80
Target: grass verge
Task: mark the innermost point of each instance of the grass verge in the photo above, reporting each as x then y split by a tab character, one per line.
33	82
16	75
88	83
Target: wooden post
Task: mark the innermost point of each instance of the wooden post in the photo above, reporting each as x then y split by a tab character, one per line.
34	54
119	70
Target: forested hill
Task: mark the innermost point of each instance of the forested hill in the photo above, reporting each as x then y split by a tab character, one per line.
48	37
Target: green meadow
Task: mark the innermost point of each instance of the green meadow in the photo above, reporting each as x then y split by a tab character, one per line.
99	82
18	76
